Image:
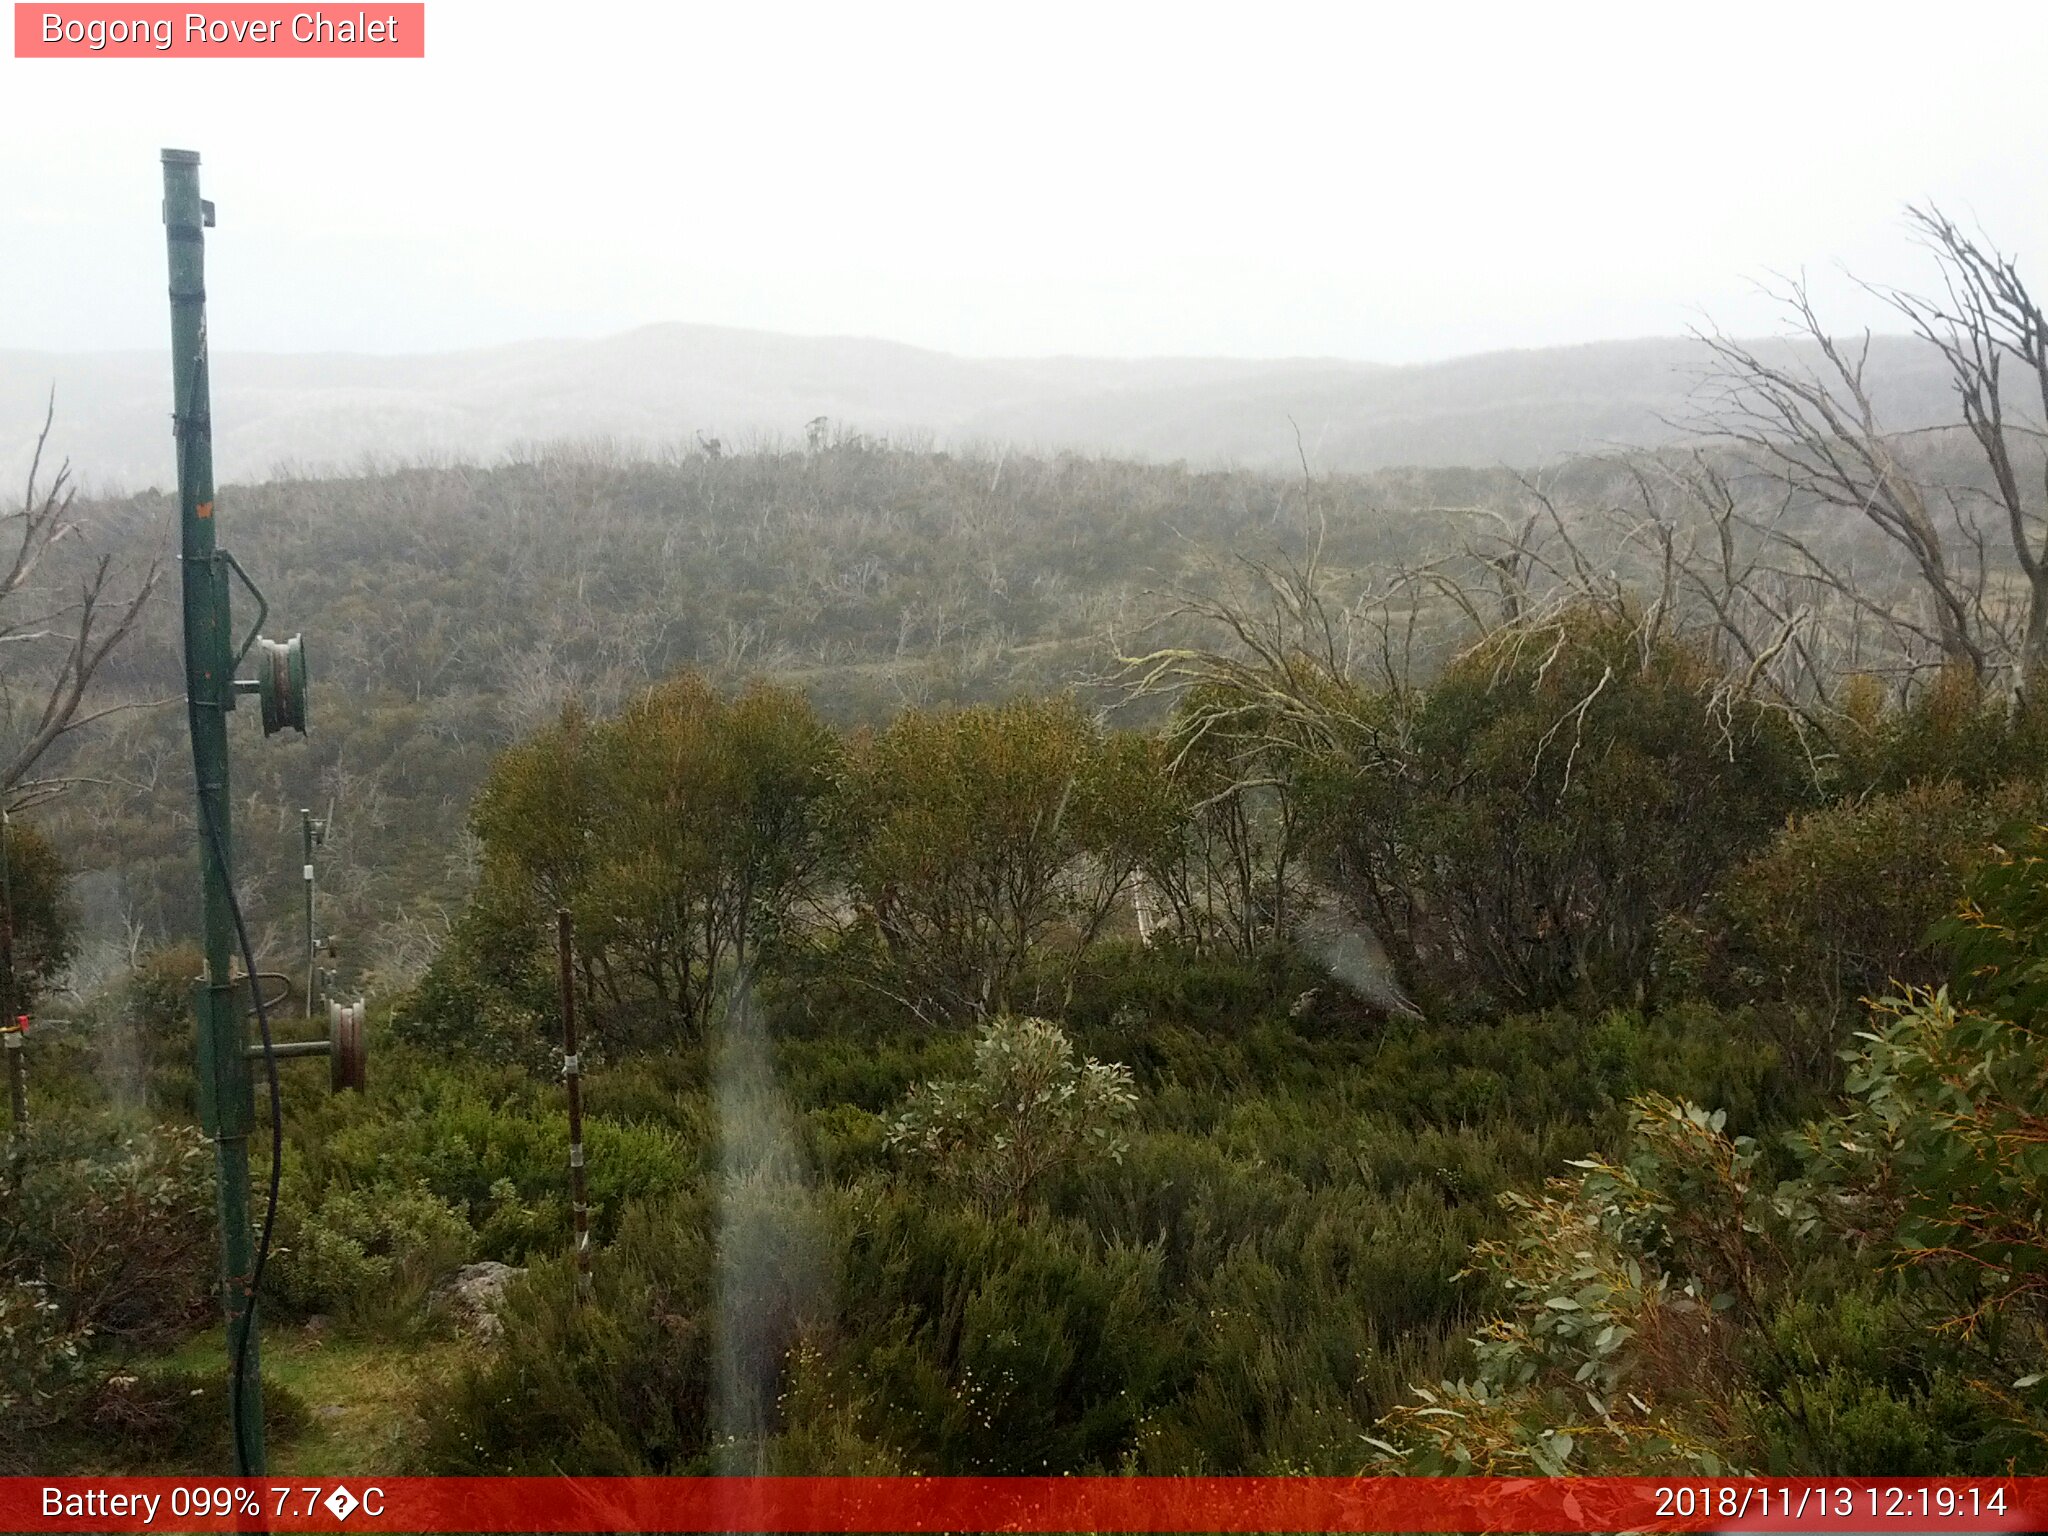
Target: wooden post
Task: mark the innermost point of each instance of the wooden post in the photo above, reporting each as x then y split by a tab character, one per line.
572	1075
10	1018
17	1076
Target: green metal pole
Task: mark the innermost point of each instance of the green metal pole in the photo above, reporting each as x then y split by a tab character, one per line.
312	962
226	1102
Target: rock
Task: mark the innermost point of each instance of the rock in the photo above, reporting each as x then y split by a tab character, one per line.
477	1291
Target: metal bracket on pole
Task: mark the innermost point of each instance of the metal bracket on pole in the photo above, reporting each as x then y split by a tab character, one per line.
345	1047
262	605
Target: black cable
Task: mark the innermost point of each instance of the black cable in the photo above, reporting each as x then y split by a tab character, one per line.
241	1343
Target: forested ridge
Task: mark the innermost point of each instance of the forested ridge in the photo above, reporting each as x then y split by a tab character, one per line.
1091	967
448	610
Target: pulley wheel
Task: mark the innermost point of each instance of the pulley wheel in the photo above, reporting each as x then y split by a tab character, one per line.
347	1052
281	684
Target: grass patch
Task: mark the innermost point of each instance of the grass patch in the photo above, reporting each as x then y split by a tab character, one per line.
357	1396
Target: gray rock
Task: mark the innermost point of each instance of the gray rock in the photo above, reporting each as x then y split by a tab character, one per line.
477	1291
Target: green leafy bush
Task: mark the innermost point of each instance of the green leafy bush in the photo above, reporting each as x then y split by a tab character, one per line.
1614	1349
1954	729
1997	938
1840	907
492	1145
42	1368
172	1420
106	1238
1936	1162
1546	802
489	994
997	1345
152	1037
373	1253
681	834
45	918
115	1221
1028	1109
1936	1155
1884	1310
622	1385
974	836
1849	1377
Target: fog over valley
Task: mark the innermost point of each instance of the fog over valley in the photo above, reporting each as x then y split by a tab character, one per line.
676	385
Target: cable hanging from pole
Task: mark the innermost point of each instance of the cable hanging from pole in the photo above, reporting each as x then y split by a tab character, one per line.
240	1343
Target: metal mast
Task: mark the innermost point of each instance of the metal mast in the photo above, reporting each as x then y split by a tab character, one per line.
226	1102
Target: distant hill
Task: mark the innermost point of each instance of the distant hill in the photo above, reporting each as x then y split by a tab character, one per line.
671	383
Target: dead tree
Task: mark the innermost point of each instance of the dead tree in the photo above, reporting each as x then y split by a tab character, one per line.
54	644
1985	319
1817	430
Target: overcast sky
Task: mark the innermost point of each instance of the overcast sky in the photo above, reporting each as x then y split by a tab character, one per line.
1383	181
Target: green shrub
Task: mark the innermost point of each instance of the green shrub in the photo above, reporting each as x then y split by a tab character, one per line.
512	1224
106	1239
1935	1164
493	1144
146	1043
1953	730
45	918
366	1253
115	1220
860	1069
1839	908
622	1385
1996	940
42	1368
1553	796
488	994
1850	1379
845	1142
973	837
1616	1349
1027	1110
681	834
1883	1310
1000	1346
654	1087
1126	998
1304	1286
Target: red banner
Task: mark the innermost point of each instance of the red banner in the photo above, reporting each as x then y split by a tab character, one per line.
1033	1504
225	31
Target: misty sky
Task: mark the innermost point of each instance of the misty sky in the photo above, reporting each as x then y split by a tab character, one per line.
1393	182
